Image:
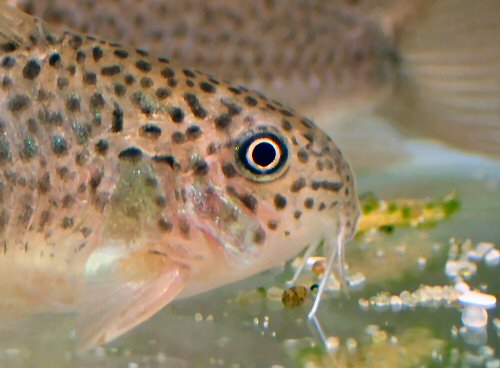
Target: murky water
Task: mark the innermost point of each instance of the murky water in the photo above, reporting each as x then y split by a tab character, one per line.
238	326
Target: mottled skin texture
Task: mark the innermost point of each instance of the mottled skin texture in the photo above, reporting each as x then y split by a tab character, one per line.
118	173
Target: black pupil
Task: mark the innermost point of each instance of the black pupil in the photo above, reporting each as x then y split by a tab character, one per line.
263	154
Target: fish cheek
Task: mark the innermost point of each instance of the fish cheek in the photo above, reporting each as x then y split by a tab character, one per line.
224	219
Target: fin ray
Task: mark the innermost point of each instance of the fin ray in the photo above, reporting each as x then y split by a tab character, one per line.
449	86
125	295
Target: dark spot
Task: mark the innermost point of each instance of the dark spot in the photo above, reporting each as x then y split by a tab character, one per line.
55	60
59	145
82	132
286	113
250	101
68	222
120	53
132	154
143	66
302	155
207	87
248	200
232	107
141	100
80	56
234	90
29	148
163	60
200	167
162	93
75	42
68	201
322	206
18	103
184	227
309	203
272	225
307	123
150	131
97	101
298	184
178	137
189	83
8	62
86	231
309	136
189	73
172	82
164	225
142	52
95	179
9	46
89	78
117	121
97	53
25	215
229	170
280	201
73	104
4	220
332	186
195	106
259	236
82	158
270	107
193	132
129	79
62	82
71	70
6	82
212	148
146	82
4	151
285	124
166	159
102	147
297	214
176	114
31	70
167	73
223	121
161	201
119	89
110	71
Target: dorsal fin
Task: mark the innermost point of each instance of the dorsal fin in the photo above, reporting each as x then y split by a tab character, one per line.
20	30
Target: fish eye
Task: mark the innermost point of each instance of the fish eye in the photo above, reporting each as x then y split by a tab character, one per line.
263	156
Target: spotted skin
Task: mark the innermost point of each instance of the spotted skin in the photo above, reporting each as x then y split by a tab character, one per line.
299	50
117	165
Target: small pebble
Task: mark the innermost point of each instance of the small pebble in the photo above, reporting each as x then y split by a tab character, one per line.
492	258
351	344
478	299
294	296
474	317
332	343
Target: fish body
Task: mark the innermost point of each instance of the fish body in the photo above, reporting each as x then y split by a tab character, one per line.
428	67
128	182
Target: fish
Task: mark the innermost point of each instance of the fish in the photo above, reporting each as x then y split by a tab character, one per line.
369	73
128	181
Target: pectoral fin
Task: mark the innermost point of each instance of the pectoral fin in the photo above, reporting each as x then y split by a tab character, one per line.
121	293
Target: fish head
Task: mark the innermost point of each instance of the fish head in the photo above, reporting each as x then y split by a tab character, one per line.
276	183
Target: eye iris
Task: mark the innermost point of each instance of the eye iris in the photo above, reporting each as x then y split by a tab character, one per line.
264	154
